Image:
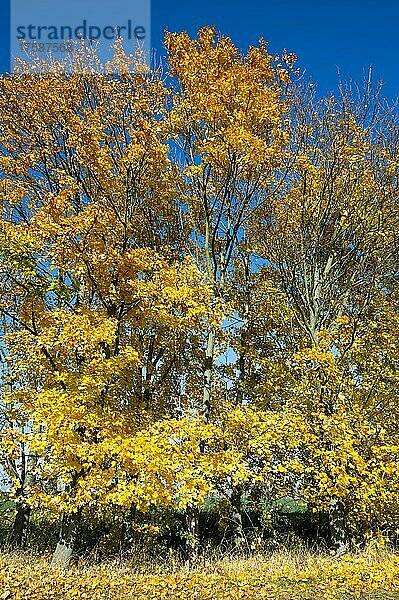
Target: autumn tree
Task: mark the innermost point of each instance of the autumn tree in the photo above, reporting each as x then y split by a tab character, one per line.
228	118
327	240
112	305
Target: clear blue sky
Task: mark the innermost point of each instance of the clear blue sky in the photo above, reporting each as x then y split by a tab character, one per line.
351	34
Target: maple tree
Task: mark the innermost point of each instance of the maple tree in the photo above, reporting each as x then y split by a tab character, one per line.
108	309
228	119
328	242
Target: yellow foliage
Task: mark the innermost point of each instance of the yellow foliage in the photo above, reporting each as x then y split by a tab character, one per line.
300	576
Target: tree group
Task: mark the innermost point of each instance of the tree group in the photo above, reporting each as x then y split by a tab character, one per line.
198	289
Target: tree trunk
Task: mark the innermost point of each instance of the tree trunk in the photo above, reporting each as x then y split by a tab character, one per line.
338	532
242	360
208	370
192	534
192	512
19	532
67	540
238	536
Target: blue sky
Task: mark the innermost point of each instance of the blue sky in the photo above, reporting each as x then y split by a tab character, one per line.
348	34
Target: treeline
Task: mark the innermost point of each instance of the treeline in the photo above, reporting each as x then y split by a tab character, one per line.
199	293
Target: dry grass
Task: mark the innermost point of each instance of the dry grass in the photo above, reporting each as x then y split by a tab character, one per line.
285	575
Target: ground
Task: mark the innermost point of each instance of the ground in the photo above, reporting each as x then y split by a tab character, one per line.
283	575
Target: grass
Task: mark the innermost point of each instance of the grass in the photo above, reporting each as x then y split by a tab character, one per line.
284	575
